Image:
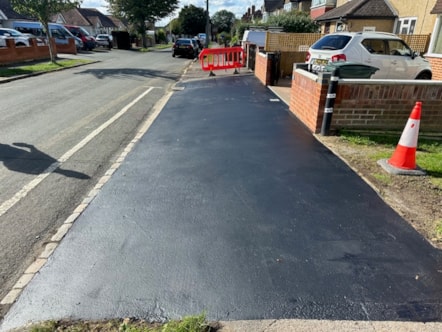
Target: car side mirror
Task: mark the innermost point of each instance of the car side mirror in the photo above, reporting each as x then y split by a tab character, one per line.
414	54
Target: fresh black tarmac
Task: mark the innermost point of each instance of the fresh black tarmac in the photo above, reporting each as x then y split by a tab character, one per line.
229	205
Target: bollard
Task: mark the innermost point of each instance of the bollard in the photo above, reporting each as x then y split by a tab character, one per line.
330	102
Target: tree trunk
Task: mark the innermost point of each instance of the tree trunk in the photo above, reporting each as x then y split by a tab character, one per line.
51	44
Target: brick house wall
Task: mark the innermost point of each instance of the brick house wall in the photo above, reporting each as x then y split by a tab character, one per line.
436	66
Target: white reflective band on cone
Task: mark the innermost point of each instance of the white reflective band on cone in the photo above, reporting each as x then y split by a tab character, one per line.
410	134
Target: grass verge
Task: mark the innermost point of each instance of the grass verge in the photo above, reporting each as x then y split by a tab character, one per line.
187	324
40	67
428	154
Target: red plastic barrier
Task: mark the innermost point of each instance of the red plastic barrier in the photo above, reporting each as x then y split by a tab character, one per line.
221	58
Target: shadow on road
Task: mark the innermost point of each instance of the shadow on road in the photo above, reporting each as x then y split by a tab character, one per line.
26	158
128	73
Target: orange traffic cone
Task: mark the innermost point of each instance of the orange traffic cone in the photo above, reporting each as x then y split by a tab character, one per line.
403	160
404	156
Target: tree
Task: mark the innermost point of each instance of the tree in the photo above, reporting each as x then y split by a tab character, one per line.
175	27
192	20
141	12
294	21
43	11
223	20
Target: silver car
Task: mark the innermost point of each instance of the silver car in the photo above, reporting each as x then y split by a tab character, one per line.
386	51
19	38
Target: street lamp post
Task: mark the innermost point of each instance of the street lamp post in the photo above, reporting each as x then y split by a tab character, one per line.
207	24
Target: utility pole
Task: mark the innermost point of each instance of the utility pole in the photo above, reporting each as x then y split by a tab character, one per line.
207	24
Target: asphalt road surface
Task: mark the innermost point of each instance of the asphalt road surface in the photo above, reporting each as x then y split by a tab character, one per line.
59	133
229	205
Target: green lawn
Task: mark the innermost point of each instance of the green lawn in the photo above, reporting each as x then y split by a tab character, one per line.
40	67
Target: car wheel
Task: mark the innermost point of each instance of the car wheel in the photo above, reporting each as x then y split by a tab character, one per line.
424	76
20	44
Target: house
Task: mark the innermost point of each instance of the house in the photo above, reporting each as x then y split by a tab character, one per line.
252	15
92	20
275	7
271	7
414	17
8	15
320	7
300	5
121	25
408	16
359	15
434	54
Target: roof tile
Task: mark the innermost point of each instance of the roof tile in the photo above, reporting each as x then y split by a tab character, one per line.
437	8
359	9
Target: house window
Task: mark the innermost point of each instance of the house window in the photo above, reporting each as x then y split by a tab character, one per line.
317	3
405	26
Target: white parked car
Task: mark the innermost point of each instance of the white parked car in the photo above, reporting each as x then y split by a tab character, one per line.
104	40
19	38
386	51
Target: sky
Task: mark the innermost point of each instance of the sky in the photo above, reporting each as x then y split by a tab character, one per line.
238	7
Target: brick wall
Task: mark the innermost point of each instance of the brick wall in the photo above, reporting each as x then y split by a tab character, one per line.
365	104
12	54
436	67
388	105
306	97
262	68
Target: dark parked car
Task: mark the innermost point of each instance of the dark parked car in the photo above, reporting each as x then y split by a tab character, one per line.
185	47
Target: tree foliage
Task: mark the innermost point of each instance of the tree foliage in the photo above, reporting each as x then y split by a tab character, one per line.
43	12
294	21
175	26
138	12
223	20
192	20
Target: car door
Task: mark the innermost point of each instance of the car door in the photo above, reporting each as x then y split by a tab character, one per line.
375	54
402	64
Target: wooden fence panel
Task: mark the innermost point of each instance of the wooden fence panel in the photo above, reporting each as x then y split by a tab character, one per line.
290	42
418	43
300	42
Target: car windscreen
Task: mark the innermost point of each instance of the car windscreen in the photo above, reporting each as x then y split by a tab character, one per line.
84	32
13	33
331	42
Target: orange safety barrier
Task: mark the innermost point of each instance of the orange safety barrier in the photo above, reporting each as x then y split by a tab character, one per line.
221	58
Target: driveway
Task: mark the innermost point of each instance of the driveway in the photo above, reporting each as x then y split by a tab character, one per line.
228	204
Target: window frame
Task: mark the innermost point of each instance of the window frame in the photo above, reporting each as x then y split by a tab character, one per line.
409	26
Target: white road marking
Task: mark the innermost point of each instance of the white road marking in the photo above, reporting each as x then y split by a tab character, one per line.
5	206
35	267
